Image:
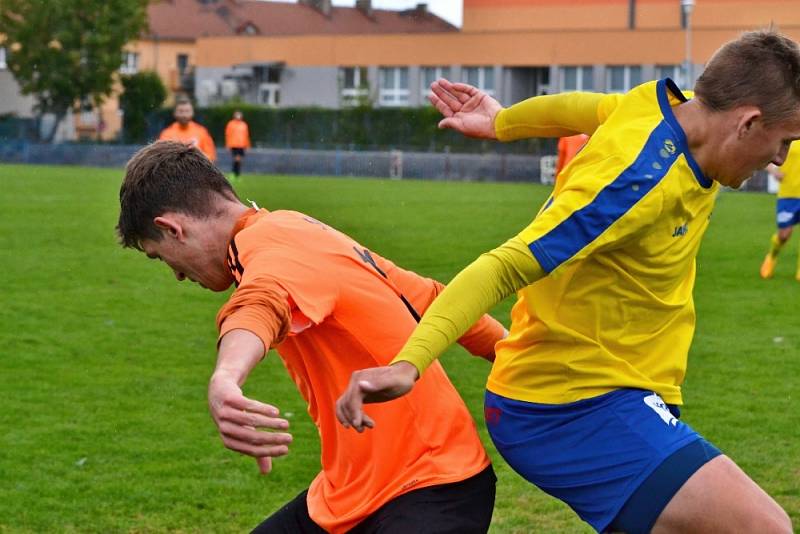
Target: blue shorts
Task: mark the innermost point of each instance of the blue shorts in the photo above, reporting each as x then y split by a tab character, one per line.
595	453
787	212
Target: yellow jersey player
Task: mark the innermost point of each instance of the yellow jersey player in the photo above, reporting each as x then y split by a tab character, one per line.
583	398
787	209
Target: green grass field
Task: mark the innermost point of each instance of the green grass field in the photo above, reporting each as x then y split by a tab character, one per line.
105	358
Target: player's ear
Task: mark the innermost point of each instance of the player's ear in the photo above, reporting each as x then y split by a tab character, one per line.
747	118
169	225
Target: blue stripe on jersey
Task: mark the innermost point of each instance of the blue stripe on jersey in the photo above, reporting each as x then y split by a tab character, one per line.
683	145
584	225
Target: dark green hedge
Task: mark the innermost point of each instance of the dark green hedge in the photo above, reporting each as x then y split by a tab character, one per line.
352	128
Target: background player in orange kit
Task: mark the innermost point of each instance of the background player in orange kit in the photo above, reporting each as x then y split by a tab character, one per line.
237	140
186	131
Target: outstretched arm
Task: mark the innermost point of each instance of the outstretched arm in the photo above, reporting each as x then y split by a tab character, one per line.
488	280
420	291
474	113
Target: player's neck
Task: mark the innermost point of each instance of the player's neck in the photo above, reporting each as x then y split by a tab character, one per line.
699	125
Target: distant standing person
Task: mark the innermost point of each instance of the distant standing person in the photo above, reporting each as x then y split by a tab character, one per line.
185	130
787	209
237	140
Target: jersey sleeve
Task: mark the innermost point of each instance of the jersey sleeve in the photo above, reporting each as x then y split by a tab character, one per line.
420	291
474	291
277	266
559	115
260	306
589	214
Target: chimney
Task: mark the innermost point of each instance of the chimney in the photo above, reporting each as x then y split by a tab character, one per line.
418	12
365	6
323	6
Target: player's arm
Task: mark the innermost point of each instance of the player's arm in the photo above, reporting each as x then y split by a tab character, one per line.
474	291
560	115
476	114
256	316
208	147
478	340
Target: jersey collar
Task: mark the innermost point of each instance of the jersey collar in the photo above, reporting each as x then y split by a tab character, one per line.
664	88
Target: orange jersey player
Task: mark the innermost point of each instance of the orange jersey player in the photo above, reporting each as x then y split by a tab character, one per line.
237	140
185	130
328	306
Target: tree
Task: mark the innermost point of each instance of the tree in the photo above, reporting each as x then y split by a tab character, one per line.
143	93
65	52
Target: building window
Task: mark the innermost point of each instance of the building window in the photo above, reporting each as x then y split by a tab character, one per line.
130	63
670	71
355	89
269	94
577	79
182	61
430	75
481	77
394	86
623	79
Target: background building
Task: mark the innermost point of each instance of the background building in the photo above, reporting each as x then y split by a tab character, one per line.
510	48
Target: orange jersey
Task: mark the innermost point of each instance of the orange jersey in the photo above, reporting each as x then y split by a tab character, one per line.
567	148
191	134
346	313
237	134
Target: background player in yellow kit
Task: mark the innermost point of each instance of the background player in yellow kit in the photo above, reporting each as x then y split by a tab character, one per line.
787	209
583	397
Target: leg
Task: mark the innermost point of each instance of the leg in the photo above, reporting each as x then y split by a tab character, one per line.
720	497
292	518
236	161
786	218
459	508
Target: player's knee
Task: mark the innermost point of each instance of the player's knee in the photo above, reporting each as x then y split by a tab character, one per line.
769	520
780	522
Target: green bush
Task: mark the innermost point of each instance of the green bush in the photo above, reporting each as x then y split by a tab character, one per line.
360	128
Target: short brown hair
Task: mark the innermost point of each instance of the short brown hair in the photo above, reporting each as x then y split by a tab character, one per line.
760	68
166	176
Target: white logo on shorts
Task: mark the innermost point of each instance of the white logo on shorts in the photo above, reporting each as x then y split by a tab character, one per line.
784	216
658	406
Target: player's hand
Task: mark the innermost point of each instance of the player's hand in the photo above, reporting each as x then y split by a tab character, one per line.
241	422
465	108
377	384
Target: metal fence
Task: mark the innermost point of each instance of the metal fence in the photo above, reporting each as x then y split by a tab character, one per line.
379	164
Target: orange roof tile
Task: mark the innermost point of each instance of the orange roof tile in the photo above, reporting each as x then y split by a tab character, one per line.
190	19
